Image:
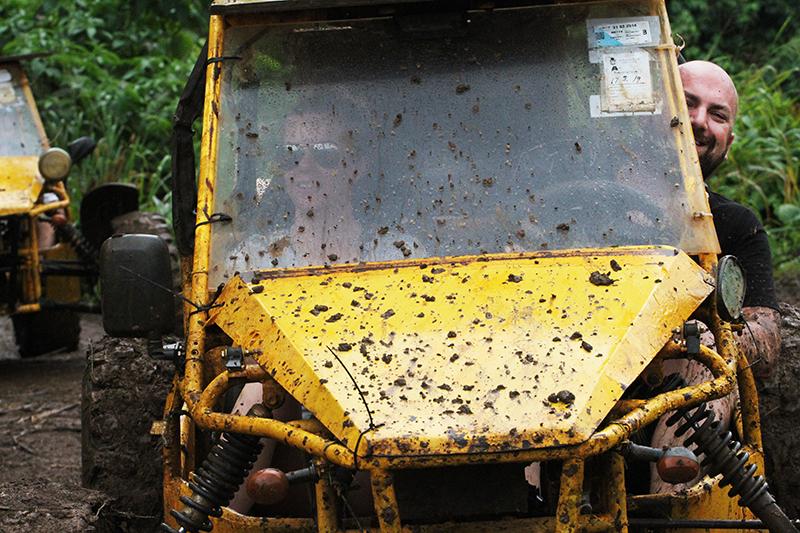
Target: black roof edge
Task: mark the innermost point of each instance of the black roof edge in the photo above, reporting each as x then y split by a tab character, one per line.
283	6
277	6
23	57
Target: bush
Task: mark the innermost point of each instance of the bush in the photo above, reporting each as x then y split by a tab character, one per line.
742	30
763	168
116	72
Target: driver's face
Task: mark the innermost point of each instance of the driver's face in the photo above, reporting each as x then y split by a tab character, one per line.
712	101
318	162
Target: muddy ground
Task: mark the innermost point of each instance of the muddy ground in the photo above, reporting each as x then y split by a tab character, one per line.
40	433
40	438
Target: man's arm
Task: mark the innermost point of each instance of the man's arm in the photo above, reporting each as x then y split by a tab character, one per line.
760	341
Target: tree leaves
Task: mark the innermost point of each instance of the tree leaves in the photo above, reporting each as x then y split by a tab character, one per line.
116	73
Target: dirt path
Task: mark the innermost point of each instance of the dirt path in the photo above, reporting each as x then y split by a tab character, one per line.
779	407
40	438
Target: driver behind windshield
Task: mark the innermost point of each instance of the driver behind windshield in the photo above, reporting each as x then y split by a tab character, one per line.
320	167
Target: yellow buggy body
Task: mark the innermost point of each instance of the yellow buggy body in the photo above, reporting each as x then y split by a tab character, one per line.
533	237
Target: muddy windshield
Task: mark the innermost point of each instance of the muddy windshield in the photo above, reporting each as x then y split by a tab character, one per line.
454	134
19	135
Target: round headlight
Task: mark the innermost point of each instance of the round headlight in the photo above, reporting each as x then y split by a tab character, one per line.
731	287
54	164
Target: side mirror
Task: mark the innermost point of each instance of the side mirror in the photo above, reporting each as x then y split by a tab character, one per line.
135	286
81	148
731	288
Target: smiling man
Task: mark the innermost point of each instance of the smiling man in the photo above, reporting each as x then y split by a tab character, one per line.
713	104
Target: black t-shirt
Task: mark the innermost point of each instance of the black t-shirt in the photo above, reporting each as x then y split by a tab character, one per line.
741	234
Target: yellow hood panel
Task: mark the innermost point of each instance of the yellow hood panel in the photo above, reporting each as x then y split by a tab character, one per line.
20	184
473	354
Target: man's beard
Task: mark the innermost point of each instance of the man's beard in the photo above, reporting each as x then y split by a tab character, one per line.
709	163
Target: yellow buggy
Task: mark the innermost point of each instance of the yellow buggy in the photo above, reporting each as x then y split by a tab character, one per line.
42	255
447	247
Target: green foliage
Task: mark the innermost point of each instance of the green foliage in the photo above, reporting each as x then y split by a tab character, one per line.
743	30
115	74
763	169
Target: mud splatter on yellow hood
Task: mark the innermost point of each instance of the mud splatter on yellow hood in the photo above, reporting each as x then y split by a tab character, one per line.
473	354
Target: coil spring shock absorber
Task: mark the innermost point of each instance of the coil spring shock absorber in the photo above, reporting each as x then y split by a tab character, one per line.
67	232
722	457
215	483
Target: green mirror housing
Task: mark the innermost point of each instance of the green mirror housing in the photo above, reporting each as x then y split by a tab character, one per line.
135	286
731	287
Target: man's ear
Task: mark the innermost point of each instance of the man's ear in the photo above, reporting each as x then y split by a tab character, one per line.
728	149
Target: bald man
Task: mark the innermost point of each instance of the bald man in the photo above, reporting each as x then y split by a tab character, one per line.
713	103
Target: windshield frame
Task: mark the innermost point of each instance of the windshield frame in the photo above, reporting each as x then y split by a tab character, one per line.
673	106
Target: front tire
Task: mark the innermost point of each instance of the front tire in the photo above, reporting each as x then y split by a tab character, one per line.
123	393
46	330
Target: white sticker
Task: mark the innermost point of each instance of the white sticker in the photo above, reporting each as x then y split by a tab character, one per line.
596	110
7	93
626	31
627	83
